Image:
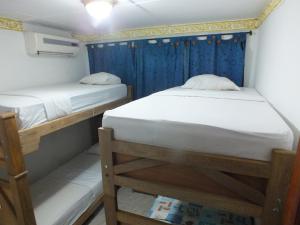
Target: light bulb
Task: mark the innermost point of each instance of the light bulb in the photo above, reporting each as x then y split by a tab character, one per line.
99	9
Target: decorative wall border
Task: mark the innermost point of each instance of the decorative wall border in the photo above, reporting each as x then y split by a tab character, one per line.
10	24
172	30
165	30
267	11
183	29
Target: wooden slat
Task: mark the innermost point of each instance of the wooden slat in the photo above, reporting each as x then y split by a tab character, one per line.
190	195
243	190
16	169
7	212
132	219
222	163
30	138
4	184
136	165
109	189
2	160
293	200
87	214
282	164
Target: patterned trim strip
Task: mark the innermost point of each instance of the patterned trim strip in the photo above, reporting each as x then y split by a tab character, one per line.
183	29
172	30
167	30
10	24
268	10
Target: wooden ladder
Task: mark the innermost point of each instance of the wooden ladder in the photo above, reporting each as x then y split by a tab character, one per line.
15	199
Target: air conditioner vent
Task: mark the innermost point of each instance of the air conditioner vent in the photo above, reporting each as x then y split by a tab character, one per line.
60	42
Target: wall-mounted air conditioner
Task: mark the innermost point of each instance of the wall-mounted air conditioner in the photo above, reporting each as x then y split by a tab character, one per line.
44	44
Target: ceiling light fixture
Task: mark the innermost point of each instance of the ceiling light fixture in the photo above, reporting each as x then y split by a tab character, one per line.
99	9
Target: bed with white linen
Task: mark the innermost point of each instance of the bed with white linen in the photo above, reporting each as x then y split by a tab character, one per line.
43	110
233	123
66	193
228	150
35	106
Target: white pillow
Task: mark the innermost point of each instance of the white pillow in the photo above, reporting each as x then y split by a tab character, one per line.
210	82
101	78
95	149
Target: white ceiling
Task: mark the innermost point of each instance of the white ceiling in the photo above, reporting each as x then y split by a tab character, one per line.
70	15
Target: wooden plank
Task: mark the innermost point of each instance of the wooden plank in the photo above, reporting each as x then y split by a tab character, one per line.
109	188
1	150
282	163
2	157
2	163
16	170
30	138
243	190
136	165
293	198
7	213
4	183
87	214
216	162
132	219
11	145
190	195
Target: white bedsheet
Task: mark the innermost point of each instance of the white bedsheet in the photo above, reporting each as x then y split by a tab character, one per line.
240	124
56	102
62	197
31	107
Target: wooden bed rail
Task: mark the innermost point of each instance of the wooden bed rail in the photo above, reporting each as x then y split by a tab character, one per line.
30	138
241	186
222	163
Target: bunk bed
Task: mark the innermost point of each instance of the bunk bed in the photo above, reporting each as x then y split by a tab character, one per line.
17	206
228	150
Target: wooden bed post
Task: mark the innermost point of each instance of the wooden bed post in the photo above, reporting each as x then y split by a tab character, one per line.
109	188
292	205
130	92
282	164
16	170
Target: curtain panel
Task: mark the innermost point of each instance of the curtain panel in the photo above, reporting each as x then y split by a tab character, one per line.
157	64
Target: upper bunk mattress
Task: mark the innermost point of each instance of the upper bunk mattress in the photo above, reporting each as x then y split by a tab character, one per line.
31	110
232	123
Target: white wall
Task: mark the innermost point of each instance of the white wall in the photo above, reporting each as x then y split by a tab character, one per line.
278	62
250	58
19	70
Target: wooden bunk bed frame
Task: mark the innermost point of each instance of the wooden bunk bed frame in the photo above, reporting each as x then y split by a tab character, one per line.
15	200
245	187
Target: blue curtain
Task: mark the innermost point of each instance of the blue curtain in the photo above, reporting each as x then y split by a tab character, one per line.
116	58
159	65
154	65
214	55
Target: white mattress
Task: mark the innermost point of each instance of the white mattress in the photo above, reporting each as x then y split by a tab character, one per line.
240	124
62	197
31	111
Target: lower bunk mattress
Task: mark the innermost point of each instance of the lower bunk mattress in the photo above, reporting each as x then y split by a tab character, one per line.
232	123
65	194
